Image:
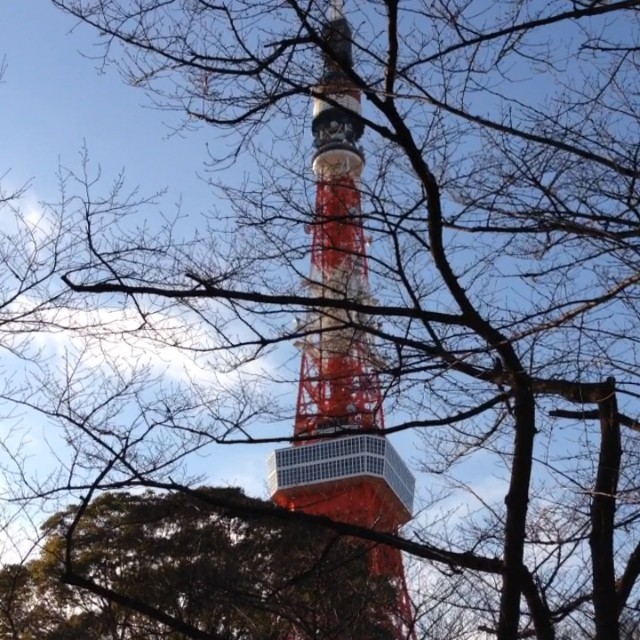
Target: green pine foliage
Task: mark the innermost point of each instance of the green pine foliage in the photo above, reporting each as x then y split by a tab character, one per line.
170	566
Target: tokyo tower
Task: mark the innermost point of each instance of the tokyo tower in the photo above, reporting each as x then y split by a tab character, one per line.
348	470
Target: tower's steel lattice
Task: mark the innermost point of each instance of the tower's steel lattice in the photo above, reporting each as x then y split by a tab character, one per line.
356	477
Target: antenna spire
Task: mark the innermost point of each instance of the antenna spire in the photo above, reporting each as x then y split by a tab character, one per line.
336	10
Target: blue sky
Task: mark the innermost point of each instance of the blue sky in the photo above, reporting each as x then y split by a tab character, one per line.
54	99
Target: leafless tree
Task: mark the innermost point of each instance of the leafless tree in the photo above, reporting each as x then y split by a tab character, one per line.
502	205
34	244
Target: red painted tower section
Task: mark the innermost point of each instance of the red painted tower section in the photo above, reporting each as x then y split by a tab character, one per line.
351	472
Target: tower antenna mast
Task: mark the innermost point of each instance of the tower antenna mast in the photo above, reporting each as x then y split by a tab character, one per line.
336	10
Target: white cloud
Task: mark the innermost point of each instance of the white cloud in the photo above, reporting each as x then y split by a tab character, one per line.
169	344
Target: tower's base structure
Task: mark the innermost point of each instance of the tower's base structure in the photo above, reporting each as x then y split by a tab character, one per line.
341	465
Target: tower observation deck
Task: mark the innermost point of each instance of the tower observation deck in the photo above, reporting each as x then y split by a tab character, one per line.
341	464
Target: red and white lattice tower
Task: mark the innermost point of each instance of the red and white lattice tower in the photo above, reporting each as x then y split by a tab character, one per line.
349	471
